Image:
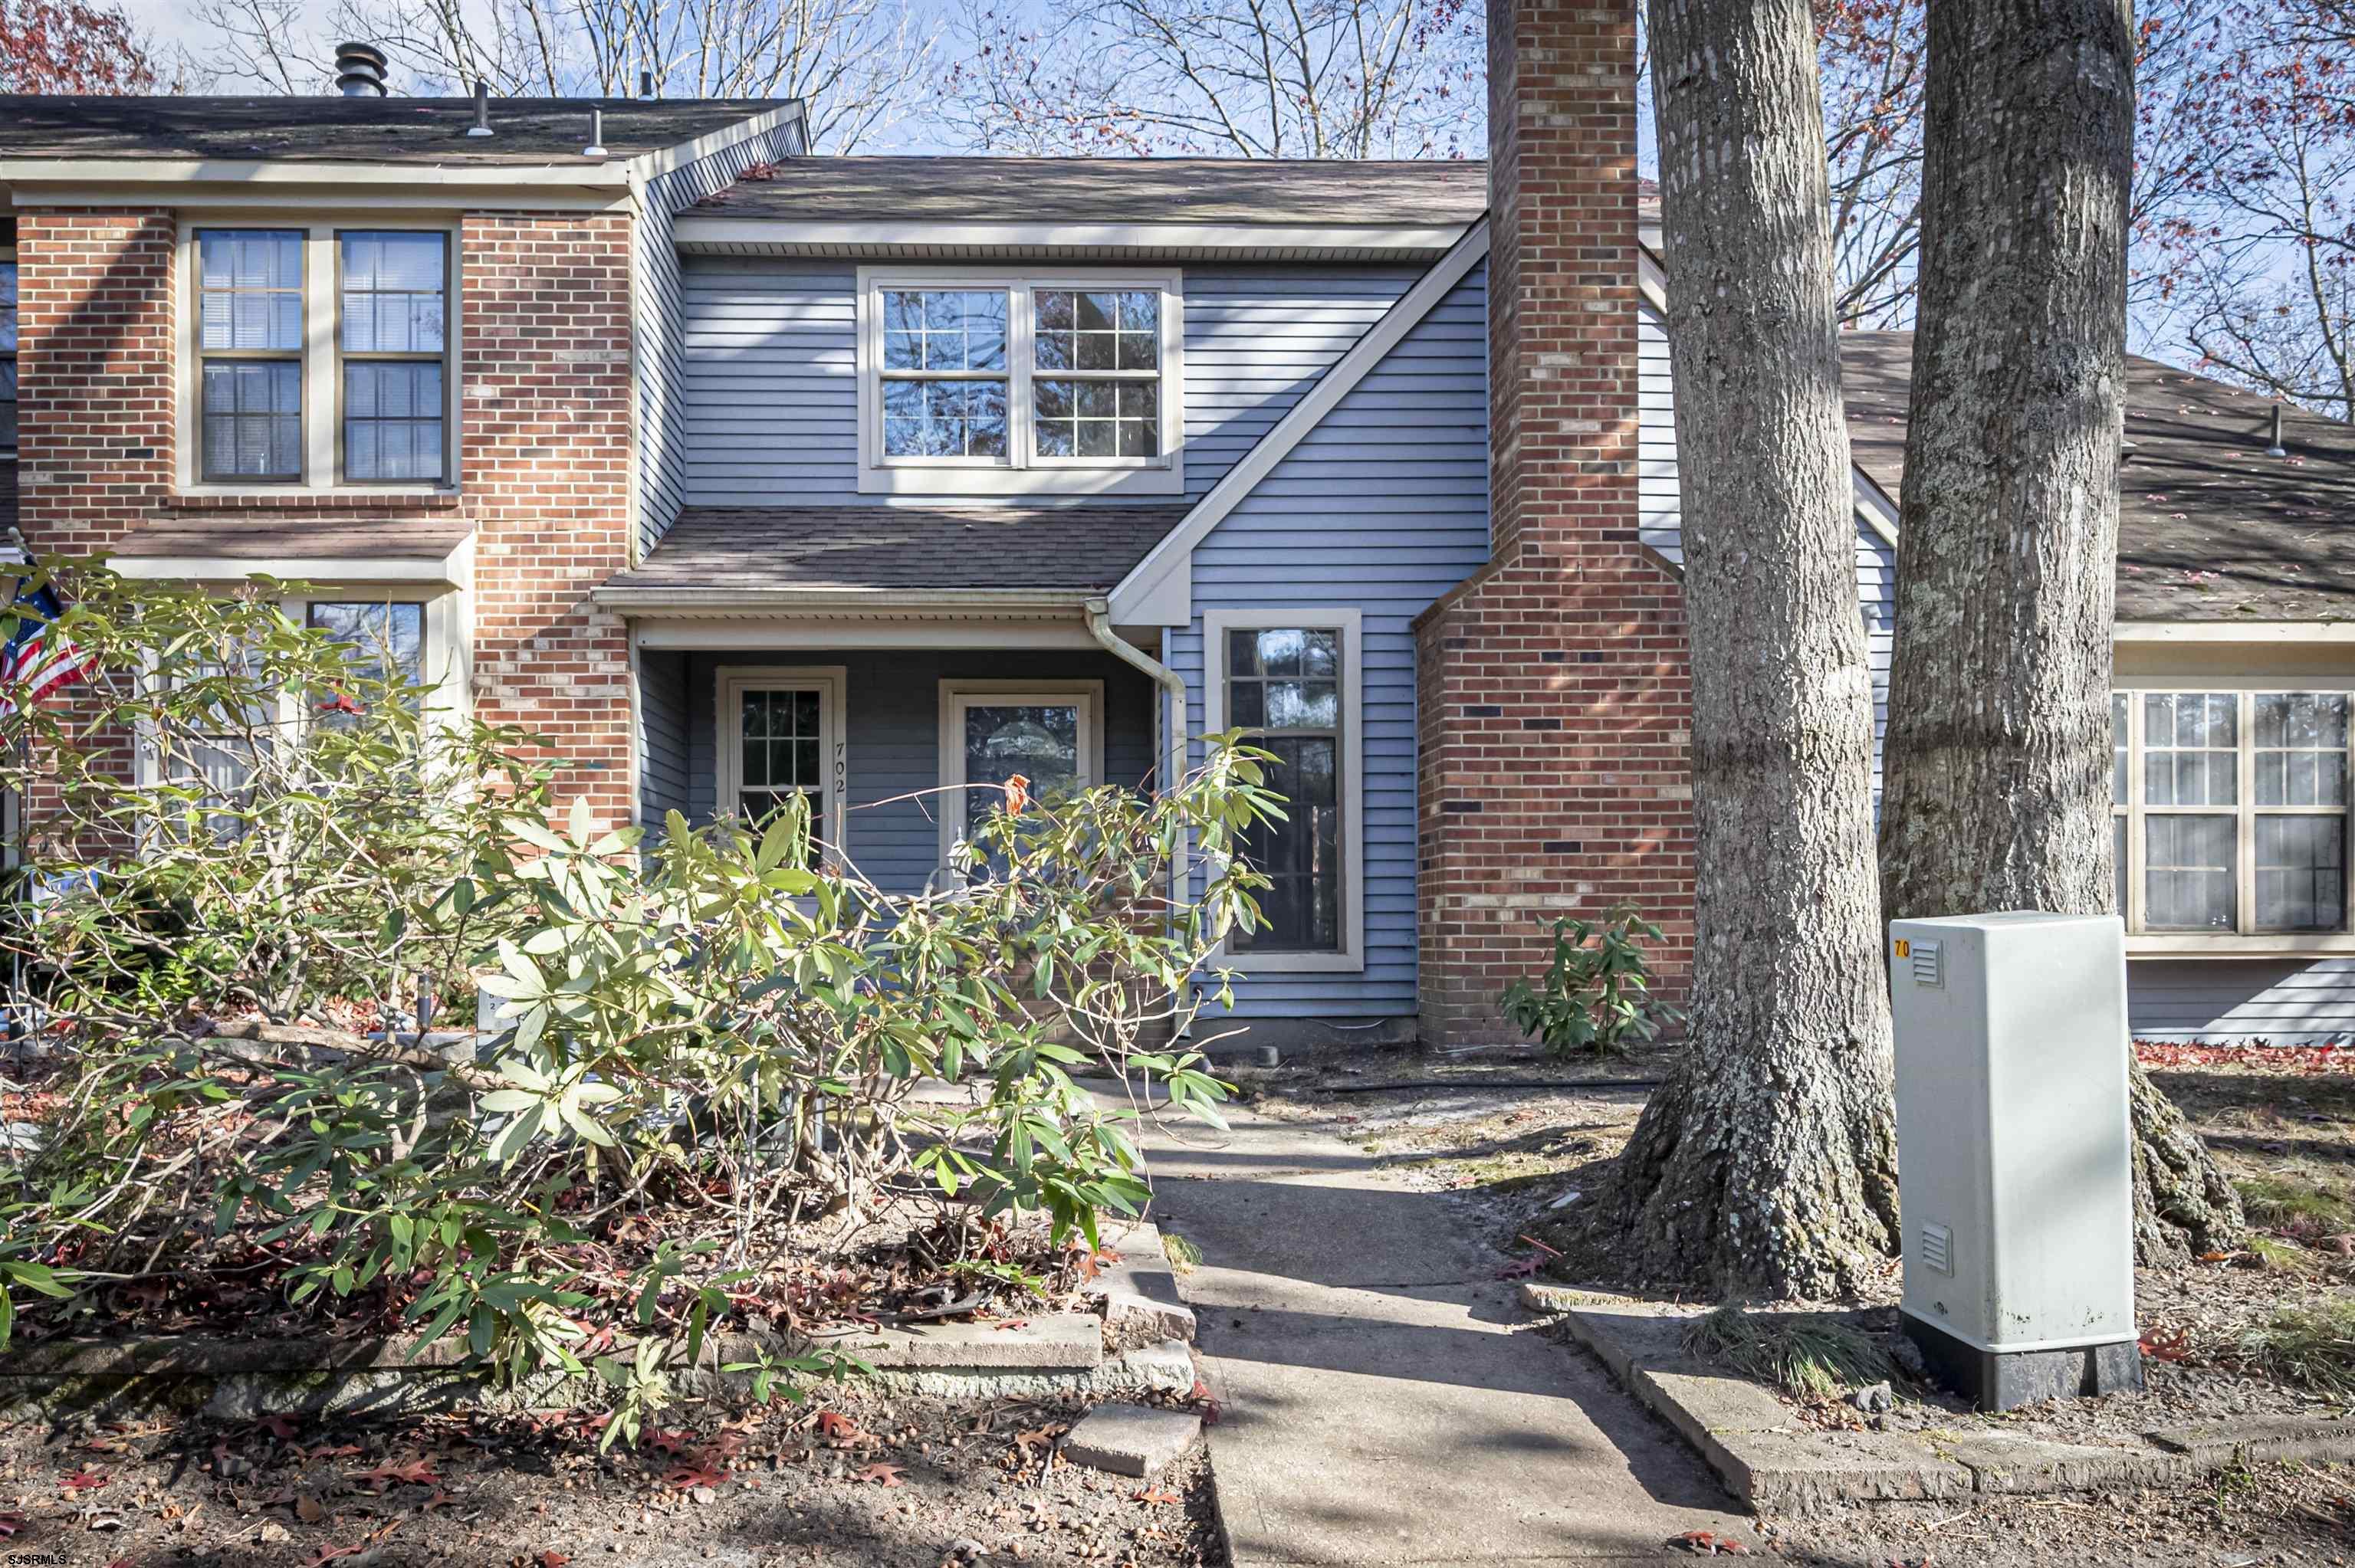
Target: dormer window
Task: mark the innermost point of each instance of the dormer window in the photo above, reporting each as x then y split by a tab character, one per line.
990	384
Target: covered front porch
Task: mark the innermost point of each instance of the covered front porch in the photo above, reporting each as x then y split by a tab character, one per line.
890	742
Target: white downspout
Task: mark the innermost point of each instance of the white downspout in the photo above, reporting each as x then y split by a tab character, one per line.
1173	686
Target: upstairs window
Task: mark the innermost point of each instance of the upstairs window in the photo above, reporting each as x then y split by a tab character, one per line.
394	345
250	334
1006	384
322	357
2229	811
8	355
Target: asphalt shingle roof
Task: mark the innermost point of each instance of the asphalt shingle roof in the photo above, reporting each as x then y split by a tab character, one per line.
715	551
1396	193
2209	528
424	131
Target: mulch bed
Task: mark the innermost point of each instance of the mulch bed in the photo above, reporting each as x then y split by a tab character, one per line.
855	1477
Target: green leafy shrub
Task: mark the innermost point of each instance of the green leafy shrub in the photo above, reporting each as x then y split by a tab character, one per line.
702	1042
1596	994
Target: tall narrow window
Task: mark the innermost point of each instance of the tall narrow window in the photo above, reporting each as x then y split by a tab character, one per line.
2300	849
1283	683
394	345
249	346
944	373
8	356
1096	387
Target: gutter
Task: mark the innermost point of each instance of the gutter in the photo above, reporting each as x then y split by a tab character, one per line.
1174	684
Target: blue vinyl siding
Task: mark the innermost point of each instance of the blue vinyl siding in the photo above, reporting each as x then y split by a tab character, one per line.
2284	1001
660	310
1383	508
890	721
662	738
771	389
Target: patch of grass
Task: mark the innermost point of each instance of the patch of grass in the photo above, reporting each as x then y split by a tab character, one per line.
1184	1255
2295	1206
2313	1347
1805	1357
2279	1256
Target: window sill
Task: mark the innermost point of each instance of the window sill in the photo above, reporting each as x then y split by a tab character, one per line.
312	500
1026	481
1292	963
2191	945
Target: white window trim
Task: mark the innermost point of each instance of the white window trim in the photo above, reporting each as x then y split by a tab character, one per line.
2141	943
447	646
829	681
1019	474
957	694
322	378
1351	794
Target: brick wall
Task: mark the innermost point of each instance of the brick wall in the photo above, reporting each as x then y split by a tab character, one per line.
1552	688
96	435
546	466
545	445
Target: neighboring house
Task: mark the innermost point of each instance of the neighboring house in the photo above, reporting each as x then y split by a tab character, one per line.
742	472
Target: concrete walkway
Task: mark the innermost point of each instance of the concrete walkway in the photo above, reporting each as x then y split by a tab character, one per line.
1383	1401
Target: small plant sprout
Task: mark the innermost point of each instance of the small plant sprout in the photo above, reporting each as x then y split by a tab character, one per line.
1596	997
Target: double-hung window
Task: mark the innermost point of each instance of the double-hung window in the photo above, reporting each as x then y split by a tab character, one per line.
323	356
1290	681
249	341
2230	813
394	343
1005	383
7	353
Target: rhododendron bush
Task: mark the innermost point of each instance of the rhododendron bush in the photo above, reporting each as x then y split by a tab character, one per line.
257	866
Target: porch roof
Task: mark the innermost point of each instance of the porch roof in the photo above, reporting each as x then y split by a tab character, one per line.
739	554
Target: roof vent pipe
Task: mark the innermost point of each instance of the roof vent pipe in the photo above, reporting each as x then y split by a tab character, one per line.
359	70
596	147
646	84
2277	449
482	125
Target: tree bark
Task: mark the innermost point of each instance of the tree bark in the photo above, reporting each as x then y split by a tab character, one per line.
1767	1164
1998	748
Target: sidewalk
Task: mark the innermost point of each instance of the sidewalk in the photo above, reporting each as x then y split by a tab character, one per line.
1383	1402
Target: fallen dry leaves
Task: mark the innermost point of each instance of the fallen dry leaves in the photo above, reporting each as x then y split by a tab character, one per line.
881	1474
1709	1543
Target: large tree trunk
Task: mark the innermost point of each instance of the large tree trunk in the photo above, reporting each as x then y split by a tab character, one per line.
1768	1163
1998	751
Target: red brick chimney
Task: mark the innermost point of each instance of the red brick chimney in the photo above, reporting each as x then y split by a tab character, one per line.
1553	688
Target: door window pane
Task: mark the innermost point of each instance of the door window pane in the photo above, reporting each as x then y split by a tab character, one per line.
1038	741
2189	873
2301	866
2190	749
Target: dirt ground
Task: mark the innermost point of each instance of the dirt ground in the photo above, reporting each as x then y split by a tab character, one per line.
856	1478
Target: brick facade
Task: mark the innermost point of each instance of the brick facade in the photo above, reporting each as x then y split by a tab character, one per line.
545	317
1552	688
544	446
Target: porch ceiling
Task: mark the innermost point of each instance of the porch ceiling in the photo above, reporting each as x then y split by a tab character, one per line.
1041	555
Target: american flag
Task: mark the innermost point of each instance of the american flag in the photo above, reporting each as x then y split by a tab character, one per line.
38	657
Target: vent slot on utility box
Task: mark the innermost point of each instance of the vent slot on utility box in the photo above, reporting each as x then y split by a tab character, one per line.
1925	964
1938	1248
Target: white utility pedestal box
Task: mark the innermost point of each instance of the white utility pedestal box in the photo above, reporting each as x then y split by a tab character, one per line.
2016	1184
